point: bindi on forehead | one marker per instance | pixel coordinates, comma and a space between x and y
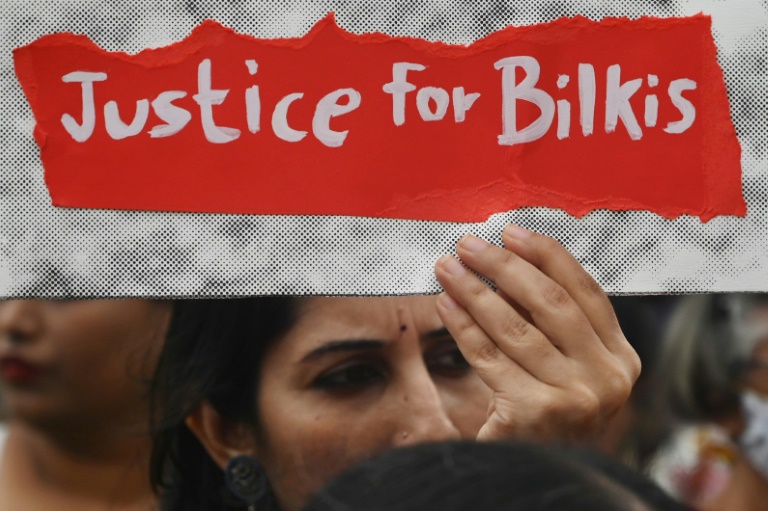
402, 321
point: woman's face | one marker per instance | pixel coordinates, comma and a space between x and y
356, 376
64, 363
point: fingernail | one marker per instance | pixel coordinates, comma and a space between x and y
448, 302
452, 265
473, 243
516, 232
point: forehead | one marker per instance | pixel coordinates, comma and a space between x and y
372, 318
370, 313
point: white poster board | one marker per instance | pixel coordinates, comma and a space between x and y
56, 252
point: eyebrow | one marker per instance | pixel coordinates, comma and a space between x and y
363, 344
344, 345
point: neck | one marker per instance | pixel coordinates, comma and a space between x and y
93, 465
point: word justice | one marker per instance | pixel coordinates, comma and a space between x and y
176, 118
432, 104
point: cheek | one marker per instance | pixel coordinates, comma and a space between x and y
304, 450
466, 403
112, 334
94, 365
109, 352
103, 375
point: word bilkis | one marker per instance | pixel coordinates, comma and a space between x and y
432, 104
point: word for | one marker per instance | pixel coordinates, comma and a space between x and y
432, 104
617, 101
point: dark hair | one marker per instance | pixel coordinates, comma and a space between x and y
213, 352
456, 476
640, 318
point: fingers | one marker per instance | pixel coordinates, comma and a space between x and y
545, 413
491, 331
554, 261
550, 306
495, 367
549, 329
523, 406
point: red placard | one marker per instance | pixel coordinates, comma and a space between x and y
574, 114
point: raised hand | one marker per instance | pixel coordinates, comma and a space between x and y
547, 342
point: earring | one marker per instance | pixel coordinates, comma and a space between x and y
246, 480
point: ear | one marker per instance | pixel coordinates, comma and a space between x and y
223, 439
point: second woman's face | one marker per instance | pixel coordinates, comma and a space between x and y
68, 363
356, 376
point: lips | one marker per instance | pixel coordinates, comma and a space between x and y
17, 370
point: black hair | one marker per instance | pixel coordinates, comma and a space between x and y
641, 319
490, 476
213, 352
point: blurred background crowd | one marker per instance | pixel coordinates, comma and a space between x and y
697, 421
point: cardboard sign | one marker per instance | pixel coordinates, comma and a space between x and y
574, 114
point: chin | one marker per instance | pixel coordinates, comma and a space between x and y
32, 410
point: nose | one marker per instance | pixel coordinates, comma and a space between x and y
19, 320
424, 417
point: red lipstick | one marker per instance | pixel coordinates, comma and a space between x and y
16, 370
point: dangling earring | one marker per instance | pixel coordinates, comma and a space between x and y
246, 480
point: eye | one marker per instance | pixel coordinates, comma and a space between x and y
447, 360
350, 377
